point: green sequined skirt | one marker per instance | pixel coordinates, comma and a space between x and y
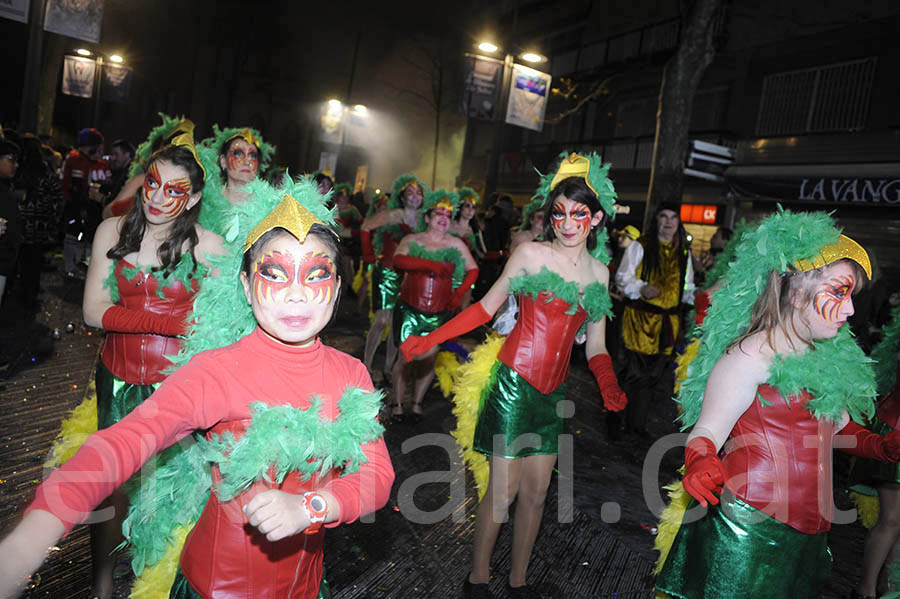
737, 551
408, 321
515, 419
385, 287
116, 398
182, 589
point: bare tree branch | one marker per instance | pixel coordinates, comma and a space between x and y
600, 88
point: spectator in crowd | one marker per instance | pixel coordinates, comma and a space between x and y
121, 153
83, 172
10, 222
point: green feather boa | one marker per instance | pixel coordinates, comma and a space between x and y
885, 354
279, 440
432, 198
594, 299
186, 271
145, 148
726, 257
775, 244
401, 182
451, 255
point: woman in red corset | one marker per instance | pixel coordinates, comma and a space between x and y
437, 270
140, 285
561, 286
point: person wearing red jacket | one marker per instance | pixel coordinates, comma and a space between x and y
560, 285
140, 285
289, 445
438, 270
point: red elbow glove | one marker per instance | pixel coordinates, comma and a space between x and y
368, 252
704, 472
471, 318
614, 399
123, 320
460, 292
406, 262
872, 445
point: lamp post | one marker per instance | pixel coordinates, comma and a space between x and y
490, 182
98, 79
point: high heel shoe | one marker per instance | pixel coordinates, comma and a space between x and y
397, 417
416, 416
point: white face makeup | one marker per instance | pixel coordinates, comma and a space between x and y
292, 288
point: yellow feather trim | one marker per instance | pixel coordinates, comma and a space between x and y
155, 582
683, 361
446, 368
80, 424
471, 380
868, 507
358, 278
670, 522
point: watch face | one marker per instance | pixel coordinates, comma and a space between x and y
317, 503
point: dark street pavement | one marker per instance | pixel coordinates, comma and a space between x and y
599, 544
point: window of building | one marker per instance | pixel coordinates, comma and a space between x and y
828, 98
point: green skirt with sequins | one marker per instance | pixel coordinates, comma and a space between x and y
736, 550
385, 287
408, 321
515, 419
116, 398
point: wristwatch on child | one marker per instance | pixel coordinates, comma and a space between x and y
316, 508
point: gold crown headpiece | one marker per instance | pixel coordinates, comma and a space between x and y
445, 202
844, 247
574, 165
289, 214
247, 135
186, 140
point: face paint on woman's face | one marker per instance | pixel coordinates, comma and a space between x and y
166, 192
242, 161
292, 288
832, 295
413, 196
570, 219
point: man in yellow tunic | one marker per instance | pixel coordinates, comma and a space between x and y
656, 277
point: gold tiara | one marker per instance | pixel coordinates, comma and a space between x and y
247, 135
844, 247
574, 165
289, 214
186, 140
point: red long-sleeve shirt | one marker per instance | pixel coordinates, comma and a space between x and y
213, 389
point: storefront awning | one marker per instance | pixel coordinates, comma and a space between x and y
863, 184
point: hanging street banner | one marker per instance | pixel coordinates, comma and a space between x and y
528, 93
481, 96
362, 175
78, 76
14, 10
80, 19
116, 83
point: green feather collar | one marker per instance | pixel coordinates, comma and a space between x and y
451, 255
280, 439
594, 299
186, 271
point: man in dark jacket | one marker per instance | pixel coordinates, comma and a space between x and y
10, 221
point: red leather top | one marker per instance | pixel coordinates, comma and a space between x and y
139, 358
226, 557
778, 459
540, 344
427, 291
889, 408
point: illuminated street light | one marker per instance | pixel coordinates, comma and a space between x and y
360, 110
83, 52
116, 59
334, 105
533, 57
488, 47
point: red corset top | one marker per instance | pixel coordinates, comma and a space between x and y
540, 344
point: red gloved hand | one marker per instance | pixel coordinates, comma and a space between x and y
471, 318
460, 292
872, 445
368, 252
614, 399
123, 320
704, 472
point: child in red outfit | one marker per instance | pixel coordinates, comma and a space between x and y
329, 467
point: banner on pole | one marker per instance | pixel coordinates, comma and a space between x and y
78, 76
14, 10
116, 83
362, 175
528, 91
481, 95
80, 19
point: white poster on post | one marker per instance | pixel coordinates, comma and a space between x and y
81, 20
528, 91
78, 76
14, 10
